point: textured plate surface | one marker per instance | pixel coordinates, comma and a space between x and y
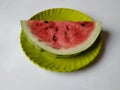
58, 64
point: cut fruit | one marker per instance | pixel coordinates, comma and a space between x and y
61, 37
41, 58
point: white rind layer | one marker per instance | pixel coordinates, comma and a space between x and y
83, 46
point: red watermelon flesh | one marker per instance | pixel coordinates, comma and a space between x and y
61, 34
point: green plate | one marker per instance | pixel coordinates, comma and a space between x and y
59, 64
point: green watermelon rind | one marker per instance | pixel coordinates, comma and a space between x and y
58, 64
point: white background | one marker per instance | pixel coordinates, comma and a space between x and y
18, 73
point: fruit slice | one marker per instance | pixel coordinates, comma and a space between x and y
62, 38
41, 58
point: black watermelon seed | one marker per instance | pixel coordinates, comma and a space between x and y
54, 38
82, 24
56, 29
67, 27
45, 21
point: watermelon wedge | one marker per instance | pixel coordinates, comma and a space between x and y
61, 37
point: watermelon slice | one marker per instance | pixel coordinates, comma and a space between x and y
61, 37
